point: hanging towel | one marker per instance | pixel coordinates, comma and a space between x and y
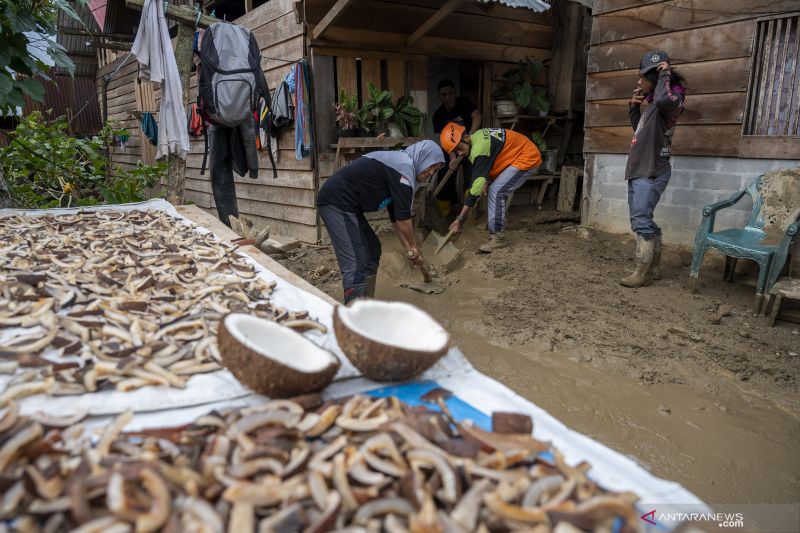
150, 127
298, 82
153, 49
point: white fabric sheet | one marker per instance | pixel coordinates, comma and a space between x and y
159, 407
153, 49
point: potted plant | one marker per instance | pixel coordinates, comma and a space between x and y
346, 114
520, 92
380, 109
548, 156
407, 118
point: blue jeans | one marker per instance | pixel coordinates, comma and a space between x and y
643, 197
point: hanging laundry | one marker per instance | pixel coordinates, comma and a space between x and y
298, 82
152, 47
196, 124
149, 127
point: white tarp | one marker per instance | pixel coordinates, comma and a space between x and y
153, 49
157, 406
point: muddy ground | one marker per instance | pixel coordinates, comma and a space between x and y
694, 387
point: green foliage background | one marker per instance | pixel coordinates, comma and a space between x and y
45, 167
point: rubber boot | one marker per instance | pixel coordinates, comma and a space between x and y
655, 270
359, 290
642, 275
371, 280
495, 242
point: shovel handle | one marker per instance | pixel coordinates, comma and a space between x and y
426, 273
445, 240
447, 177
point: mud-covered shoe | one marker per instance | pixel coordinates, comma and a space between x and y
642, 274
495, 242
655, 268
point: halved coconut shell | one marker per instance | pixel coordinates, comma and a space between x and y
271, 359
389, 341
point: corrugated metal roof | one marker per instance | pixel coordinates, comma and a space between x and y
71, 97
533, 5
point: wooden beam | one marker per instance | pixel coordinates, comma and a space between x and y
183, 14
112, 45
330, 17
431, 23
248, 6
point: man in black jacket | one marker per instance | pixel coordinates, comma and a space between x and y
649, 169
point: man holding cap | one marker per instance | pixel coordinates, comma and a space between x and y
649, 169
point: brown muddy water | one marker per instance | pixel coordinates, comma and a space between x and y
710, 403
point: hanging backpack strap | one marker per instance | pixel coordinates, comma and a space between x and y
205, 150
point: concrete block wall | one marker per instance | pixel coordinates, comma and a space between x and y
696, 182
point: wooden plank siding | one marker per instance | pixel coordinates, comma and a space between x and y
286, 203
710, 42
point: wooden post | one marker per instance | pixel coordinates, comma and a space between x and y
176, 176
5, 193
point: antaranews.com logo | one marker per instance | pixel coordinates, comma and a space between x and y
721, 519
764, 518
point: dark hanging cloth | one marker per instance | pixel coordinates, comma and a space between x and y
150, 127
230, 150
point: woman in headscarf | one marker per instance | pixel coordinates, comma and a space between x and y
378, 180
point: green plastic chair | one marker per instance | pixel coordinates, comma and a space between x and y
743, 243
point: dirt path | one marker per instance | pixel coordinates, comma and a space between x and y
709, 402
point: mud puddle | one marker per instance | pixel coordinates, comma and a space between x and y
725, 448
712, 405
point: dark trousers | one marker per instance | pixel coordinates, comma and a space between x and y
643, 197
357, 248
230, 150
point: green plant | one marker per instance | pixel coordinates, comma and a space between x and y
346, 110
538, 140
519, 84
45, 167
379, 107
407, 117
24, 24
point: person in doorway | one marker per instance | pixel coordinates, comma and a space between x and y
386, 179
502, 160
648, 169
460, 110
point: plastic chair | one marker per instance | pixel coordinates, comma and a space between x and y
743, 243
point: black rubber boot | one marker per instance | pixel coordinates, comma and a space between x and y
359, 290
371, 280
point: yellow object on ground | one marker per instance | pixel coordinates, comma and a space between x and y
443, 207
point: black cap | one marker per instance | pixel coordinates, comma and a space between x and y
651, 60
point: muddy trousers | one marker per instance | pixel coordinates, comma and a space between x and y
643, 197
357, 248
499, 193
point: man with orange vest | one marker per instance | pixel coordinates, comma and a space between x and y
502, 160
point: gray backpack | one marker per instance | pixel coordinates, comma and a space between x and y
231, 80
231, 83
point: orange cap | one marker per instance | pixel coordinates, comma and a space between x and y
451, 135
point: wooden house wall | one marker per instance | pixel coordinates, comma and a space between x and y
709, 41
121, 103
286, 204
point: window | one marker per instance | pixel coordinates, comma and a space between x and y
773, 101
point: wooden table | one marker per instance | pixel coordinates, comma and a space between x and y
351, 145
